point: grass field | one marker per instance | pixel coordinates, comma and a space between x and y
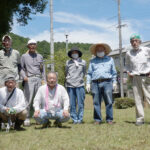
123, 135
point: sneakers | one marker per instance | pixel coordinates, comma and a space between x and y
139, 123
97, 123
27, 122
110, 122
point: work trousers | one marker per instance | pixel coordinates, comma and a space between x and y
141, 90
30, 89
21, 116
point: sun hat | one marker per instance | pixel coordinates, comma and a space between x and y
106, 46
6, 36
74, 49
32, 41
135, 36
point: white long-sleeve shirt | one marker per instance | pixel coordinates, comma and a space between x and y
57, 98
138, 61
17, 100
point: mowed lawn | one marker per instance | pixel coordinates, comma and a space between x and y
123, 135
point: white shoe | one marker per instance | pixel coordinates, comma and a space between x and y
3, 126
27, 122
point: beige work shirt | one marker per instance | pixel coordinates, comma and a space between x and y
138, 61
9, 64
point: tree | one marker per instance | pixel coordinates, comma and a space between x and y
22, 9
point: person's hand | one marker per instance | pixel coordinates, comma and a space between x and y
115, 87
88, 87
36, 113
43, 82
65, 113
25, 79
130, 74
7, 110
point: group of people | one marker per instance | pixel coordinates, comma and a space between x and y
52, 101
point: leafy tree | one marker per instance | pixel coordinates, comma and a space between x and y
21, 8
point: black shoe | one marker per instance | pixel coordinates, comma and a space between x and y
18, 124
57, 124
46, 125
19, 128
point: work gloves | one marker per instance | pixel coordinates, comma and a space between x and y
115, 87
88, 87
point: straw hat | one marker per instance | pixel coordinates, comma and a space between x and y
106, 46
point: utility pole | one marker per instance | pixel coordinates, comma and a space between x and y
67, 35
51, 36
120, 51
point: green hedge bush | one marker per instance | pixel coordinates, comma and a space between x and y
123, 103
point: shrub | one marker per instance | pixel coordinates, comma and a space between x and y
123, 103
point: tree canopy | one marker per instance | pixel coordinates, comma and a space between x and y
22, 9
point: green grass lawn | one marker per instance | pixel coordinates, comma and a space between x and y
123, 135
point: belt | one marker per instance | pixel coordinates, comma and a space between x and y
145, 75
35, 76
102, 80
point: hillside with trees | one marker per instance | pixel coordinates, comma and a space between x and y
20, 43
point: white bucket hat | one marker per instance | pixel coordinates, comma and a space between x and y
6, 36
32, 41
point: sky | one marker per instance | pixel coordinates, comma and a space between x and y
89, 21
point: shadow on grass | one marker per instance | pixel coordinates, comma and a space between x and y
52, 127
130, 122
133, 122
12, 130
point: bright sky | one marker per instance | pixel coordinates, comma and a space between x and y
90, 21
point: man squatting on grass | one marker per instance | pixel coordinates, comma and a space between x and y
51, 102
138, 69
12, 103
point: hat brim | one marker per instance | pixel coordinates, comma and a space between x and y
6, 36
106, 46
70, 52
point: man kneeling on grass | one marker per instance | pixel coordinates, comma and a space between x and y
51, 102
12, 104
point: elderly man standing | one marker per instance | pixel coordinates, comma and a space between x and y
12, 103
9, 60
102, 77
75, 73
138, 69
51, 102
32, 73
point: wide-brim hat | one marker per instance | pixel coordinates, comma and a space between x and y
106, 46
74, 49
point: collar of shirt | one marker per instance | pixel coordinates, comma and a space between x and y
137, 50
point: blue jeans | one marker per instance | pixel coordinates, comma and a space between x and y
44, 117
99, 91
77, 96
